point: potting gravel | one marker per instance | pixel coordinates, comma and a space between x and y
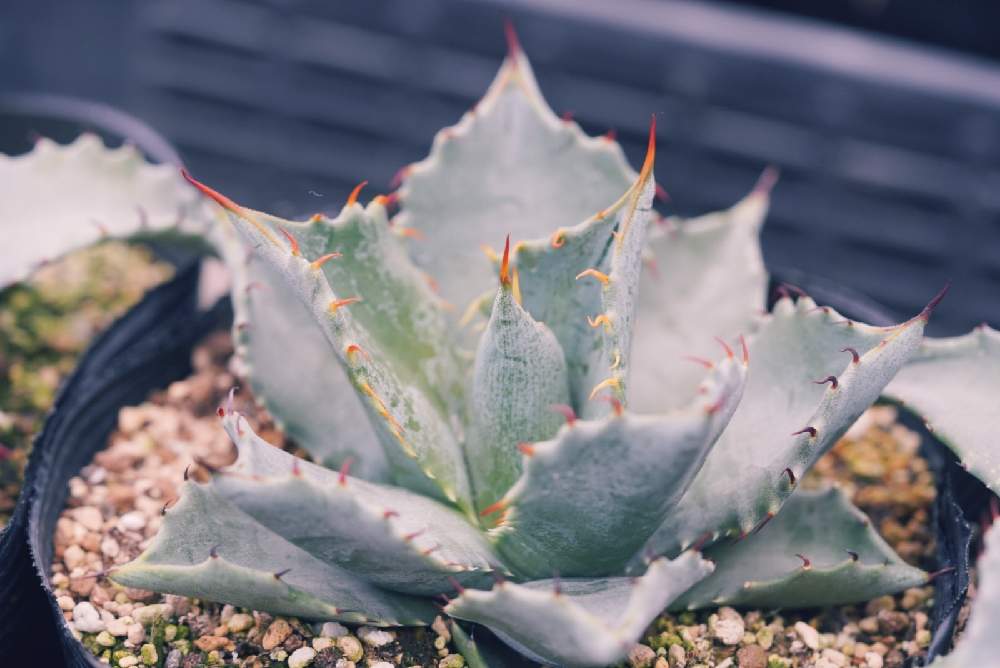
114, 510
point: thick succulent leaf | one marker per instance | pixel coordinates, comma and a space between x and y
59, 198
520, 372
704, 277
954, 384
978, 645
287, 360
509, 166
788, 417
412, 420
580, 622
589, 498
208, 549
583, 283
843, 560
387, 535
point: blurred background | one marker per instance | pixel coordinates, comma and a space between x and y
883, 115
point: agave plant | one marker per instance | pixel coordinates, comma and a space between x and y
549, 459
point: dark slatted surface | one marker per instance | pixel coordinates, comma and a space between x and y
888, 187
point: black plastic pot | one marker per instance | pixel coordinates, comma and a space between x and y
24, 118
151, 347
146, 349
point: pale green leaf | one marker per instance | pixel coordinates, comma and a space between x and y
954, 384
580, 622
759, 457
208, 549
590, 497
843, 560
704, 277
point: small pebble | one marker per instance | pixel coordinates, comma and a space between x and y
277, 633
873, 660
450, 661
106, 639
677, 656
333, 630
132, 521
89, 517
87, 619
240, 622
809, 635
751, 656
301, 657
375, 637
641, 656
350, 647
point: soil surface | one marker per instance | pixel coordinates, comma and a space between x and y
114, 509
45, 324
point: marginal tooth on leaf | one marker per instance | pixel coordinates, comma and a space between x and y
855, 357
323, 259
493, 508
602, 319
456, 585
292, 241
566, 411
229, 399
432, 284
567, 116
647, 164
296, 469
220, 411
411, 536
616, 360
746, 351
470, 312
611, 382
278, 575
834, 383
854, 555
381, 200
337, 303
763, 523
490, 253
701, 542
505, 263
400, 174
527, 449
556, 584
768, 178
316, 217
431, 550
219, 198
616, 404
791, 476
213, 552
353, 197
725, 347
353, 350
806, 564
516, 286
662, 194
599, 275
386, 514
558, 239
409, 233
611, 135
806, 430
384, 412
931, 577
925, 314
708, 364
345, 469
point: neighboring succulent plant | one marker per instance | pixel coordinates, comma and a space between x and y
472, 471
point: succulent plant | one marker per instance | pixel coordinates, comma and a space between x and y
566, 475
